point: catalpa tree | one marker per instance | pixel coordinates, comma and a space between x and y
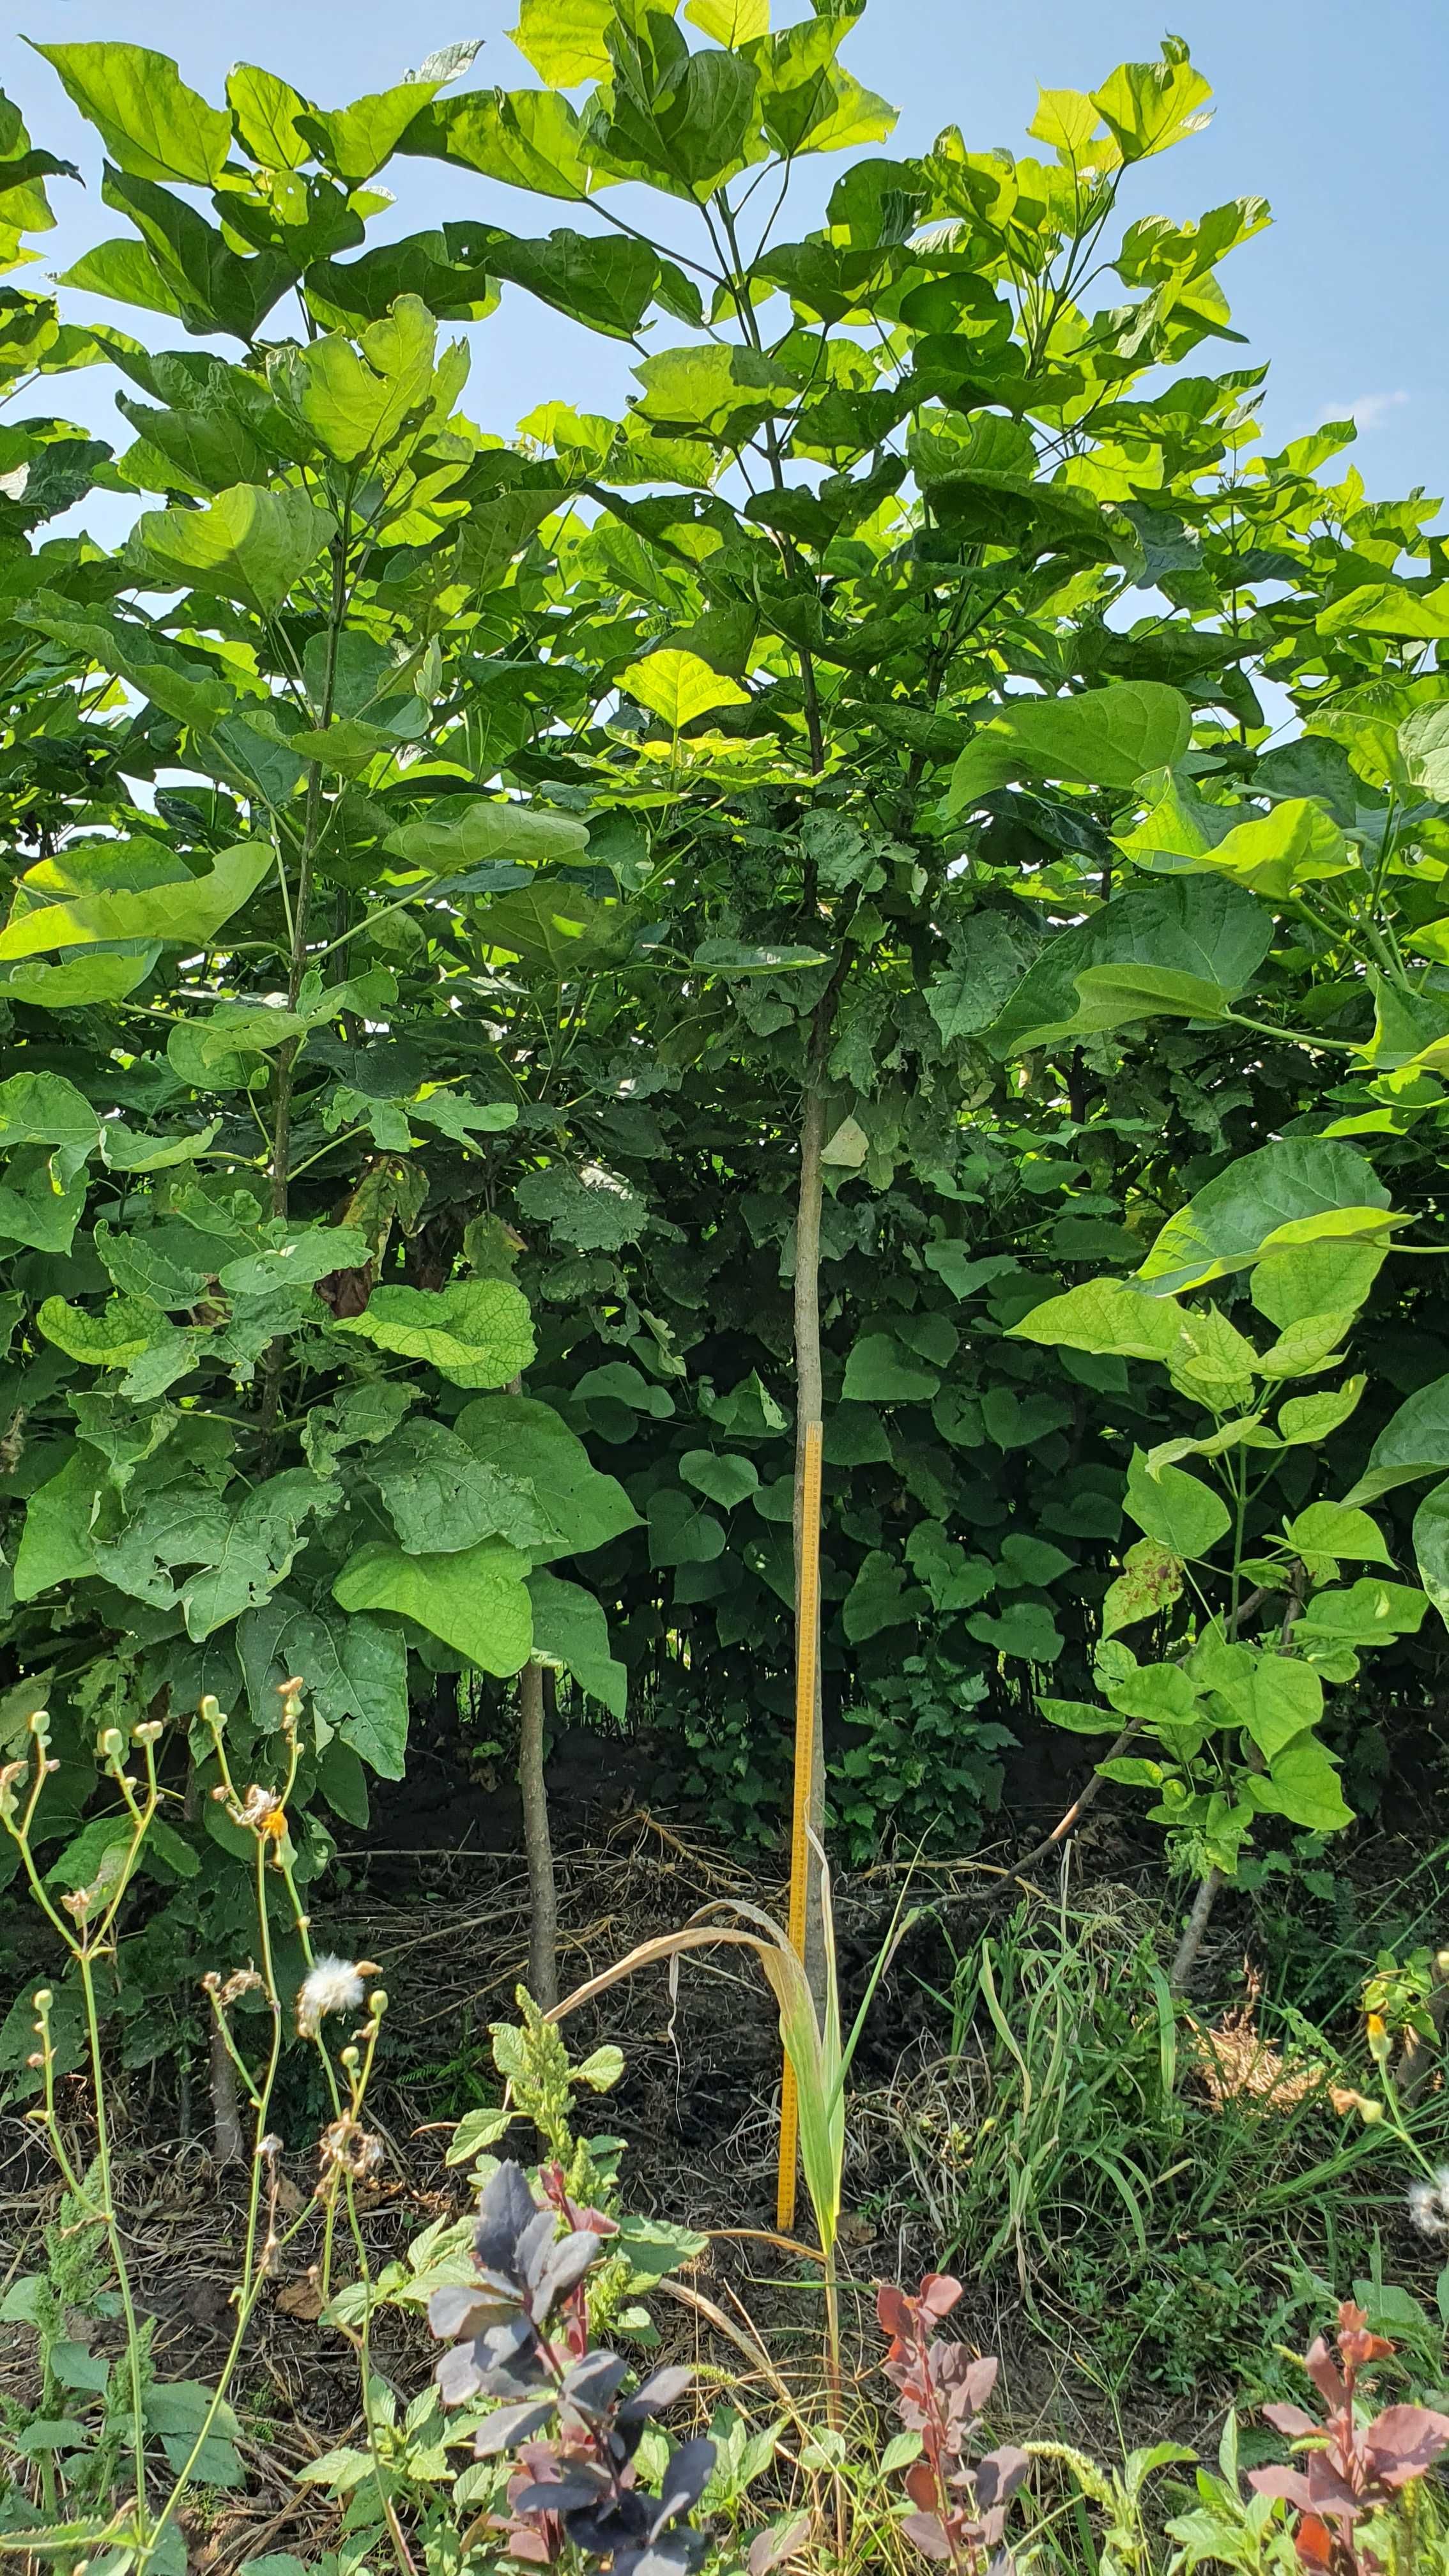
500, 926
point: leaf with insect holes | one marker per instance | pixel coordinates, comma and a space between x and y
476, 1332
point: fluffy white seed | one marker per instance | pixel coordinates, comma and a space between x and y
330, 1986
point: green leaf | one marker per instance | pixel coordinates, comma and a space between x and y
465, 1120
1389, 608
1079, 1716
1105, 1315
475, 2132
56, 1543
440, 1495
40, 1204
355, 1671
1183, 946
734, 957
1280, 1698
1179, 1511
475, 1601
1302, 1785
1146, 107
1298, 1190
1025, 1559
184, 916
45, 1109
879, 1371
1271, 854
1310, 1418
953, 1580
151, 124
1150, 1581
1334, 1530
251, 544
1333, 1277
1369, 1612
723, 1479
1160, 1695
1102, 738
691, 135
355, 402
606, 280
564, 39
257, 1550
1024, 1628
1413, 1443
476, 1332
620, 1382
526, 138
678, 687
518, 1436
193, 692
79, 984
111, 1338
593, 1209
571, 1633
983, 971
1431, 1547
679, 1532
296, 1256
354, 142
265, 111
452, 844
725, 22
880, 1598
1424, 743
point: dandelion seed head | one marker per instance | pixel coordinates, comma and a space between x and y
1429, 2203
330, 1986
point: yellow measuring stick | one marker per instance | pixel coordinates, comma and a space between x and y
807, 1649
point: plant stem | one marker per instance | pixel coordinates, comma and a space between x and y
1193, 1931
113, 2232
542, 1892
227, 2145
833, 2378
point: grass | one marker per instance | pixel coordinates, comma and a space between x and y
1063, 2143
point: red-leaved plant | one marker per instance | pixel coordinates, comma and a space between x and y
1355, 2463
961, 2508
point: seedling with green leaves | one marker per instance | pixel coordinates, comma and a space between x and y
1250, 1595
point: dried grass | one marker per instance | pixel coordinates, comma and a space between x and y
1235, 2062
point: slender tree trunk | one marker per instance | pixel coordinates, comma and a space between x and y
312, 820
809, 1400
542, 1893
1193, 1930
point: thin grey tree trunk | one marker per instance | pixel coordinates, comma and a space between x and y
537, 1841
1193, 1930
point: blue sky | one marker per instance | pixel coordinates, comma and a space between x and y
1332, 112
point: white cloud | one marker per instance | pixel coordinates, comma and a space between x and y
1367, 411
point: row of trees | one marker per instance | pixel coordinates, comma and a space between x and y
538, 964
